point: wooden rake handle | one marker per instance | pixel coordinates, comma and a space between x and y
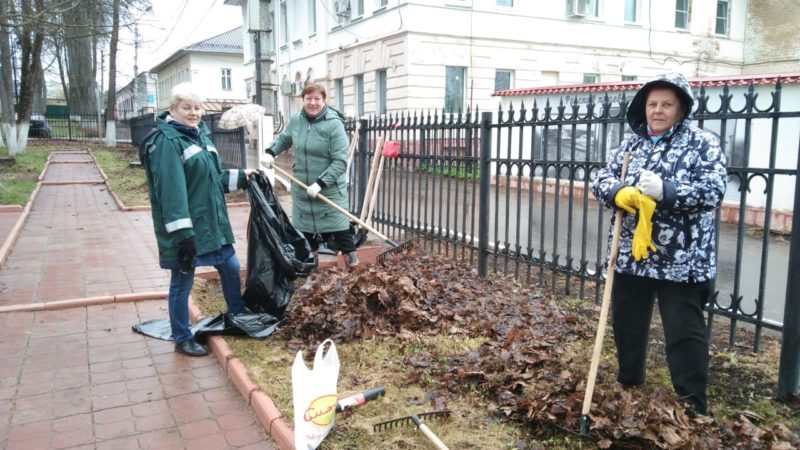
336, 207
428, 433
601, 325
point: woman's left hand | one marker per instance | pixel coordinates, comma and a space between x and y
249, 172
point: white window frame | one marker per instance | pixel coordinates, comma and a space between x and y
226, 79
339, 91
591, 78
687, 14
583, 8
358, 94
510, 78
631, 4
724, 20
449, 88
284, 23
312, 17
381, 80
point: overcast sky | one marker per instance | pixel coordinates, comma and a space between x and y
170, 26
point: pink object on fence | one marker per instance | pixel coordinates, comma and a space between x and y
391, 149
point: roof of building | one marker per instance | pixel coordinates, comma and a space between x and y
614, 86
229, 43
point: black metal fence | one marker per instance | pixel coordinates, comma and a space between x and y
230, 143
509, 191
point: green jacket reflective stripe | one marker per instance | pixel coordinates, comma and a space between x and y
186, 186
320, 148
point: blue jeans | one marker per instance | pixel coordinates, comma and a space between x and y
180, 285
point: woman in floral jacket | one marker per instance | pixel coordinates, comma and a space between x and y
675, 179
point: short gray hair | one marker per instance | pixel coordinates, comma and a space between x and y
184, 91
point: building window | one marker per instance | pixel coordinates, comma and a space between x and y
312, 16
583, 8
380, 92
631, 11
359, 100
505, 2
226, 79
589, 78
359, 8
382, 3
284, 24
454, 89
272, 41
629, 78
682, 14
339, 91
502, 80
723, 17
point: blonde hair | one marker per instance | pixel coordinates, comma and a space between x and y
184, 91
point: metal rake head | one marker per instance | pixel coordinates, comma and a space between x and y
388, 254
416, 419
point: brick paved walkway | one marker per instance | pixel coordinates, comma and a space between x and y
79, 378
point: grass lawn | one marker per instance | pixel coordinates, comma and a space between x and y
18, 178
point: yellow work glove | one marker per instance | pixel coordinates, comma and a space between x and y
642, 237
627, 198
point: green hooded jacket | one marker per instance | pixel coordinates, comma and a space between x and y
186, 186
320, 147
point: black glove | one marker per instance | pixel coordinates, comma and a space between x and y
186, 253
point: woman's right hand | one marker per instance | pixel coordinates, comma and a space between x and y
267, 161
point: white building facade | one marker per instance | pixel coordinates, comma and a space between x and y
383, 56
215, 64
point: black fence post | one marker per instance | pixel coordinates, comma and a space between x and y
789, 367
483, 193
363, 148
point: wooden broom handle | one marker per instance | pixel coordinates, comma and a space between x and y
601, 325
335, 206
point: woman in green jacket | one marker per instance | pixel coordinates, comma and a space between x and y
320, 145
186, 186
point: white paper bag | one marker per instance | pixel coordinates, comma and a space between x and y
314, 396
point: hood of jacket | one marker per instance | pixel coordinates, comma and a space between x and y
637, 117
330, 113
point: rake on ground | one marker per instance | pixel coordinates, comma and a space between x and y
417, 420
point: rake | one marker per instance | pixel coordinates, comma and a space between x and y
417, 420
393, 244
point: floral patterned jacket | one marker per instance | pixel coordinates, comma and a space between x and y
692, 167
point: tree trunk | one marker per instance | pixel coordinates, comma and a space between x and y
59, 58
9, 122
78, 42
111, 103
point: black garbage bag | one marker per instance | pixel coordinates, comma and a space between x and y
257, 326
277, 253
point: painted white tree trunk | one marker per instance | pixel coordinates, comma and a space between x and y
14, 143
22, 136
111, 134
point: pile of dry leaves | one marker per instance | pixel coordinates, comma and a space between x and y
532, 367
